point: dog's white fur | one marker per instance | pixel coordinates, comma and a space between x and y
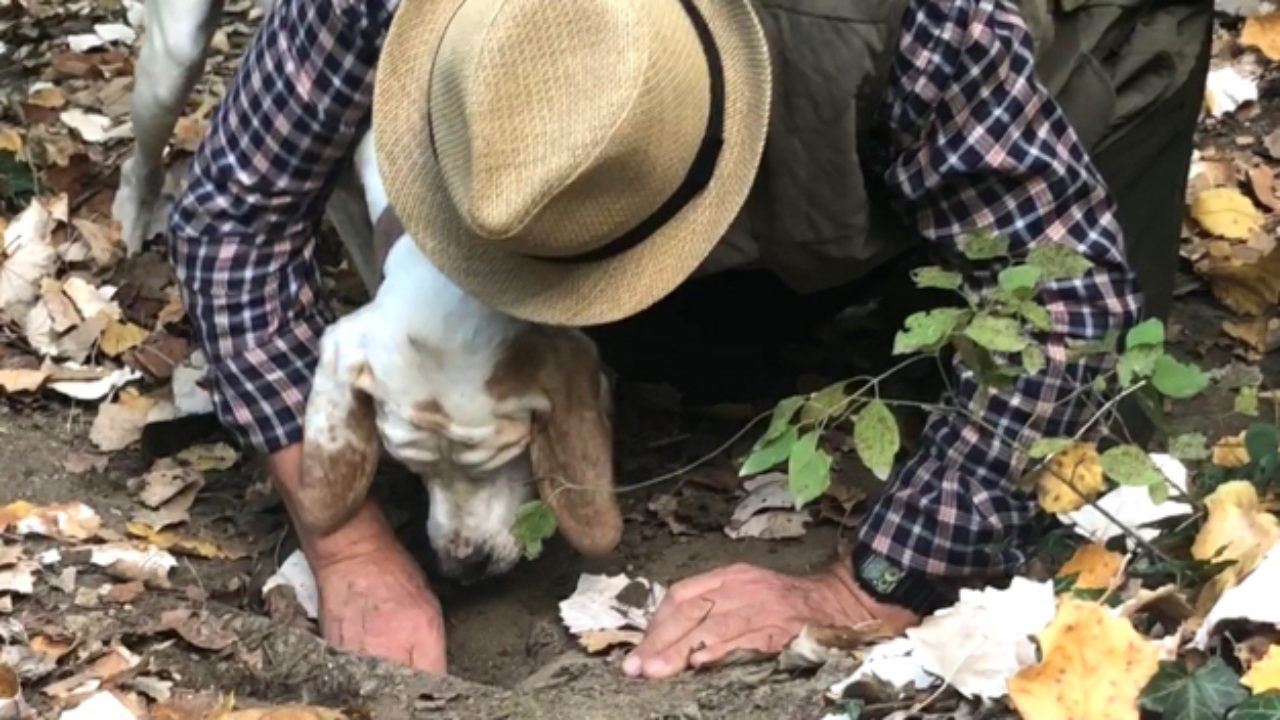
482, 406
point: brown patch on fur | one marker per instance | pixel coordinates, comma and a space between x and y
429, 415
336, 477
571, 448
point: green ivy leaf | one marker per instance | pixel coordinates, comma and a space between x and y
1147, 332
1044, 447
826, 401
769, 453
1261, 441
927, 331
997, 334
984, 245
808, 470
1058, 261
783, 412
875, 437
1033, 359
1129, 465
1263, 706
1206, 694
1036, 315
1177, 380
1189, 447
1246, 402
932, 276
1137, 362
1019, 280
534, 523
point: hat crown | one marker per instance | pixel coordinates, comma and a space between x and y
559, 125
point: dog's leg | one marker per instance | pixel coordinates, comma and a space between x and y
173, 53
349, 213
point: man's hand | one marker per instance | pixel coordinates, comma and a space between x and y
374, 598
743, 607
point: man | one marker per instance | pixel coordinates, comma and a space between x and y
935, 103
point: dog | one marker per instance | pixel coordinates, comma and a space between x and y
174, 47
483, 407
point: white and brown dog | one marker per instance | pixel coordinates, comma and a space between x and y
484, 407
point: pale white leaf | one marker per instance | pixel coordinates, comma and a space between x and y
95, 390
894, 662
1254, 599
102, 705
92, 127
600, 602
984, 639
295, 573
1131, 505
116, 33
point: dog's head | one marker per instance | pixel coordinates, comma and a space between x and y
486, 425
550, 436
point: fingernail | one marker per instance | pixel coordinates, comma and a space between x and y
631, 666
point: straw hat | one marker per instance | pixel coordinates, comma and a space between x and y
570, 161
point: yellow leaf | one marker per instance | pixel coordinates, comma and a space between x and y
1229, 452
119, 337
181, 544
10, 141
1265, 673
1079, 464
49, 97
1093, 666
1095, 567
1263, 32
1237, 528
1227, 213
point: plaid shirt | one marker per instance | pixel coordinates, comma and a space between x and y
977, 143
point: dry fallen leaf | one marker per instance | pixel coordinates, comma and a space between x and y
286, 712
19, 579
115, 661
130, 561
105, 245
594, 641
1262, 32
1227, 213
16, 380
174, 511
295, 575
92, 127
1246, 287
89, 300
199, 628
120, 337
10, 141
1081, 465
125, 592
1230, 452
1237, 528
1262, 180
164, 480
65, 521
1094, 665
46, 95
119, 424
78, 462
182, 544
50, 647
28, 259
1094, 566
1265, 674
210, 457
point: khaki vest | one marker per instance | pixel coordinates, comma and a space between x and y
809, 218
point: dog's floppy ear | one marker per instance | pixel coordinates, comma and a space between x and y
340, 447
571, 448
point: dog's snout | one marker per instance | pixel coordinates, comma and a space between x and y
472, 566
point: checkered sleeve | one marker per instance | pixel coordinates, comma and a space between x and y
977, 143
241, 234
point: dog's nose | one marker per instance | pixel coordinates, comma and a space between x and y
471, 566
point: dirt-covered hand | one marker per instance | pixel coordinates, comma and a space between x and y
743, 607
374, 600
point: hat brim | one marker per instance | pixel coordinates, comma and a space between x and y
548, 292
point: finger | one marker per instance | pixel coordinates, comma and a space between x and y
715, 630
770, 641
666, 628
